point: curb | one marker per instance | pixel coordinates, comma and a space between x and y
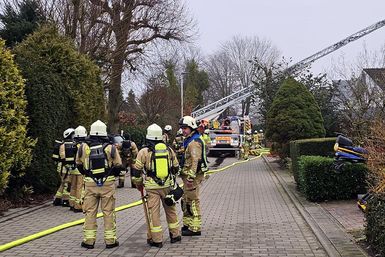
6, 217
330, 248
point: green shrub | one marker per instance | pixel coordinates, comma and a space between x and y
15, 146
294, 114
320, 179
375, 224
313, 146
63, 90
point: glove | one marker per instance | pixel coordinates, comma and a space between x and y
81, 169
175, 171
116, 170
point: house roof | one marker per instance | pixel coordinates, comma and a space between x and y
377, 75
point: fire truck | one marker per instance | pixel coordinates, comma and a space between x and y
227, 135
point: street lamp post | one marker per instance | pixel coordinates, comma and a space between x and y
181, 93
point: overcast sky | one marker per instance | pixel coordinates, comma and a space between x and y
298, 28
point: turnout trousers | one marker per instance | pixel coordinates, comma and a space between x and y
191, 208
105, 197
76, 191
155, 199
65, 183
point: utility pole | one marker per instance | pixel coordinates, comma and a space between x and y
181, 93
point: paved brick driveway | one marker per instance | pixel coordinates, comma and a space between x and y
245, 213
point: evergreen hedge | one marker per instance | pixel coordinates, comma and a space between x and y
15, 146
294, 114
320, 179
63, 90
312, 146
375, 223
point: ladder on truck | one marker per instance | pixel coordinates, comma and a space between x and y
238, 96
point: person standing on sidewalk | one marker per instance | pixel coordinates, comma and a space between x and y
67, 153
158, 163
167, 134
100, 162
128, 152
76, 176
193, 166
178, 144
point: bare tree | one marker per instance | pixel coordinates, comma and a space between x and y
359, 99
231, 65
359, 103
222, 79
118, 33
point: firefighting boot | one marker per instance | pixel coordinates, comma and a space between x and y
87, 246
109, 246
155, 244
57, 202
175, 239
188, 232
65, 203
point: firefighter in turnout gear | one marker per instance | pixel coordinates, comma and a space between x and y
128, 152
66, 152
155, 169
194, 165
247, 144
76, 177
167, 134
178, 144
100, 162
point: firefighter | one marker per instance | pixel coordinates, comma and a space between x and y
167, 134
207, 140
202, 127
247, 144
157, 163
178, 144
193, 167
128, 152
76, 177
67, 157
100, 162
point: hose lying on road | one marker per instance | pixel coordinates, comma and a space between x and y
58, 228
120, 208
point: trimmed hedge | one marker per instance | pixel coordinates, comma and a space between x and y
312, 146
320, 179
375, 224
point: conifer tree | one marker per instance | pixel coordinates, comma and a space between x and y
294, 114
15, 146
20, 20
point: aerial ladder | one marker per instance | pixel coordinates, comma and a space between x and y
242, 94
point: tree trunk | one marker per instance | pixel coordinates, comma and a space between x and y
115, 92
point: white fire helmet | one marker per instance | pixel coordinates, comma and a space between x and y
188, 121
80, 131
154, 132
68, 132
168, 128
98, 128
